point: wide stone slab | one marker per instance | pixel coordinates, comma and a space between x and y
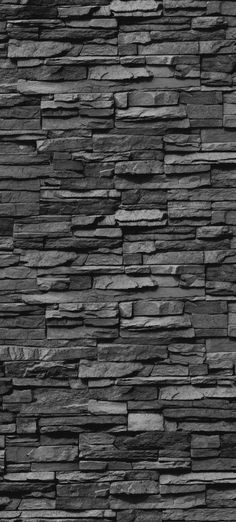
145, 422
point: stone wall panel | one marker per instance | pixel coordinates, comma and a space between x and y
117, 260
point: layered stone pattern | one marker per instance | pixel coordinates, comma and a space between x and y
118, 260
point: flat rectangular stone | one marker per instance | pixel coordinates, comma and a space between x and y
145, 422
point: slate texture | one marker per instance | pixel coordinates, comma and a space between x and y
118, 260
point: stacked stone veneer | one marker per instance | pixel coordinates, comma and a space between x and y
118, 260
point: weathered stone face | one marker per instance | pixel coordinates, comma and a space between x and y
118, 260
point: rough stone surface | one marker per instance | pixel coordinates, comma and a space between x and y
118, 260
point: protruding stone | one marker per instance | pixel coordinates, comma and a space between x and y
145, 422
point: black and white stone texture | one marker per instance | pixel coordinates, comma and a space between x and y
118, 260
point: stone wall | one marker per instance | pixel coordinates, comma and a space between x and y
118, 260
